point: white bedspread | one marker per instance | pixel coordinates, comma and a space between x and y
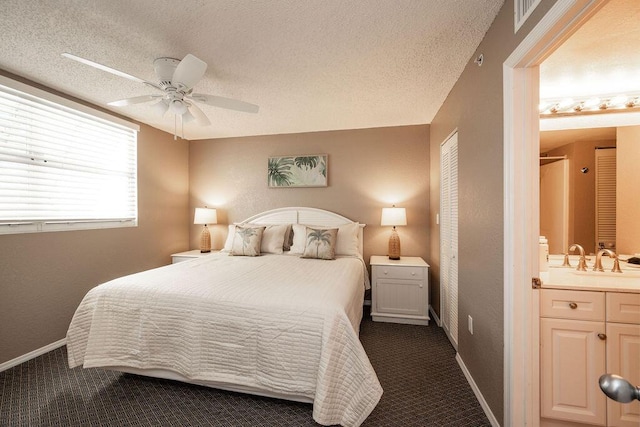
276, 323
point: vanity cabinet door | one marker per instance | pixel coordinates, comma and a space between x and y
623, 358
572, 358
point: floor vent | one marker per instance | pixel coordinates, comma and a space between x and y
523, 8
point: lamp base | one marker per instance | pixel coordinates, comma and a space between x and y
205, 240
394, 245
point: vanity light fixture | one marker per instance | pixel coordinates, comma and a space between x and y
394, 217
589, 105
205, 216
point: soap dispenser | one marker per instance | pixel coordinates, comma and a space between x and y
544, 254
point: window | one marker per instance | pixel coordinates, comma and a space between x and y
63, 166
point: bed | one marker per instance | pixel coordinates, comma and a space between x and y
283, 324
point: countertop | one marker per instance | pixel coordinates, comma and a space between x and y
558, 277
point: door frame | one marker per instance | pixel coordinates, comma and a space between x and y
521, 204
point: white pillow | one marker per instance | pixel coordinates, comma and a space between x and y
299, 239
229, 242
273, 238
347, 242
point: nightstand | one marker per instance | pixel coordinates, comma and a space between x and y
186, 256
400, 290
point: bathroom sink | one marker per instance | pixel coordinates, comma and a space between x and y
569, 277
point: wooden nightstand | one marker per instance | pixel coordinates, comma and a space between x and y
185, 256
400, 290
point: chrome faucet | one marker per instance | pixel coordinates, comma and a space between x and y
582, 262
609, 252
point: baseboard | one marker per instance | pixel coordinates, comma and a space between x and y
492, 419
434, 316
32, 355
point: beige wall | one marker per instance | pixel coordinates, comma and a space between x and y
368, 169
475, 107
45, 275
627, 194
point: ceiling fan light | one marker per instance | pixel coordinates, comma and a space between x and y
178, 107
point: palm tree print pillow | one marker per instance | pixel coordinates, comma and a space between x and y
246, 241
320, 243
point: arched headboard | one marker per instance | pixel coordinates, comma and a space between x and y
304, 215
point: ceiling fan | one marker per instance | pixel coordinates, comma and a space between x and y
176, 81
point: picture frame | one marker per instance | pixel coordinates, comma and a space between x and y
308, 170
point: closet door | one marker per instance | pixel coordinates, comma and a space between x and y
606, 198
449, 238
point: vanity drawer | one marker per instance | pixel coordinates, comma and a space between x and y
579, 305
623, 308
399, 272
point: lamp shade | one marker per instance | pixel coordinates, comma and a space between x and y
393, 216
205, 216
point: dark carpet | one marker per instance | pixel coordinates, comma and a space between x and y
423, 386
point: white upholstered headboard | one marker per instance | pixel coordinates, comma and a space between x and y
302, 215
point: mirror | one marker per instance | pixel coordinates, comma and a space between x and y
585, 80
569, 188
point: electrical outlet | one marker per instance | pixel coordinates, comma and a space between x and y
470, 322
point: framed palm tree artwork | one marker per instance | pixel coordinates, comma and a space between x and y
298, 171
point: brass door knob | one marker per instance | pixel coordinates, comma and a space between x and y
573, 305
602, 336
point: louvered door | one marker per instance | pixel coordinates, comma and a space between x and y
606, 198
449, 237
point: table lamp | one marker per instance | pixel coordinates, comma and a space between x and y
205, 216
394, 217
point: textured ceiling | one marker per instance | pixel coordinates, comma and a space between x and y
310, 65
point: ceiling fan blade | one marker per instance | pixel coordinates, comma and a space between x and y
103, 67
189, 72
188, 117
222, 102
199, 115
134, 100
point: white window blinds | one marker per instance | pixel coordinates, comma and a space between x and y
63, 165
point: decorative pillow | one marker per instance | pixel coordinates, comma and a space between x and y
247, 241
273, 238
321, 243
346, 244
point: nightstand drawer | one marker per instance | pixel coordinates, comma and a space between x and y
394, 272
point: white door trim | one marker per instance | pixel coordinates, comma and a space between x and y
521, 204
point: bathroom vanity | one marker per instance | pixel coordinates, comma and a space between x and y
589, 326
